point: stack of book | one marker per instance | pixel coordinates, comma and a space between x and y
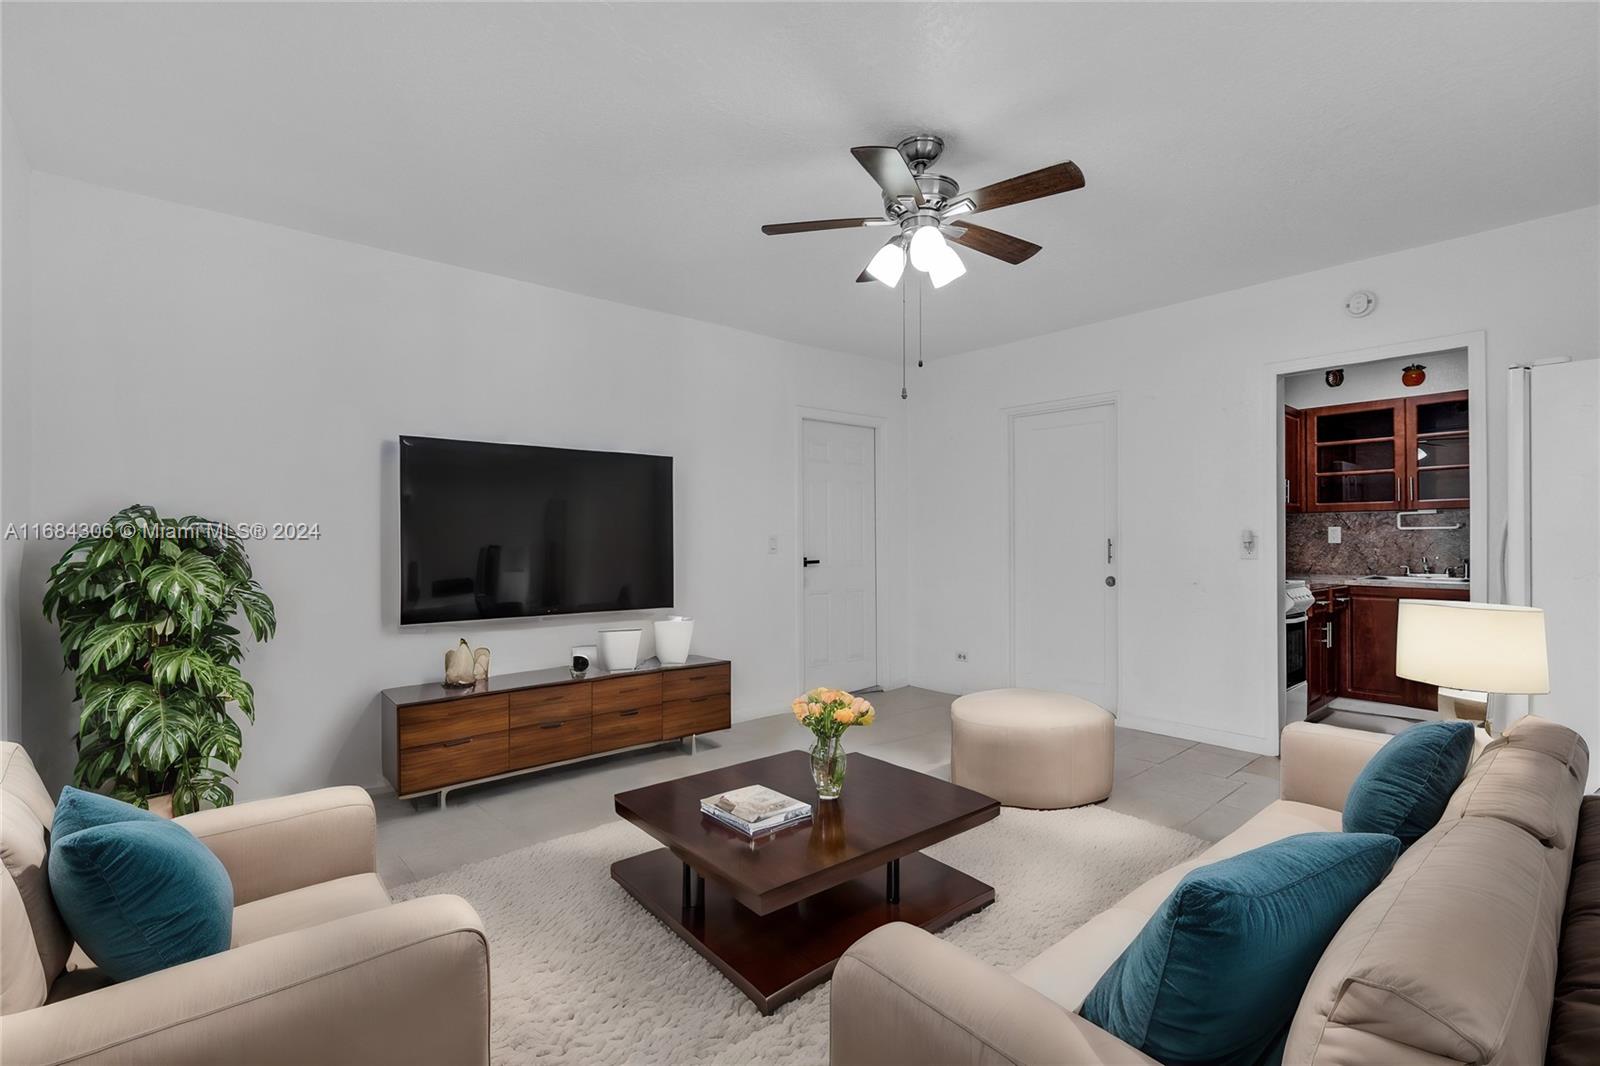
755, 809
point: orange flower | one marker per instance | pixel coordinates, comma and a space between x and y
844, 716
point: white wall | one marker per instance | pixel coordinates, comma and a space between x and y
1377, 380
1198, 457
14, 417
207, 364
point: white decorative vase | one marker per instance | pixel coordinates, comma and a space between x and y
619, 648
672, 640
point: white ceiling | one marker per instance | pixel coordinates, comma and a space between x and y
632, 151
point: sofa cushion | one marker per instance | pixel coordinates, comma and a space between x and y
1524, 787
1533, 733
140, 896
1575, 1021
302, 908
1069, 968
35, 938
1404, 788
1215, 975
1452, 955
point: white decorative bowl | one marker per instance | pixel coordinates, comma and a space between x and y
619, 648
672, 640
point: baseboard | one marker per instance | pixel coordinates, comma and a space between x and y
1186, 731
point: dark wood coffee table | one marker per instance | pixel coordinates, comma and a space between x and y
774, 914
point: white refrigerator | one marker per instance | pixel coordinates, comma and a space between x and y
1551, 548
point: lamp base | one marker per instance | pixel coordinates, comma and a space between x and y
1467, 706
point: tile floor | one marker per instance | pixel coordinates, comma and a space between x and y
1201, 789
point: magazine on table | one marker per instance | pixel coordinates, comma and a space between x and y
755, 809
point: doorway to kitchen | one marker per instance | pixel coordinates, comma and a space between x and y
1063, 548
1381, 496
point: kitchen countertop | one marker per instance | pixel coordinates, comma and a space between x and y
1323, 581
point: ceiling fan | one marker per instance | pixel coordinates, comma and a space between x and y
930, 211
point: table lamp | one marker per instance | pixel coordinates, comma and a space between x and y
1476, 647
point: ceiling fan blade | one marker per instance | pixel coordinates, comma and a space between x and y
890, 170
1063, 177
1002, 246
775, 228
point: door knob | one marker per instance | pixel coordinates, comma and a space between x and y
1111, 582
809, 562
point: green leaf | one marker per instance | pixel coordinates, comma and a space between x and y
160, 732
183, 577
110, 645
258, 611
173, 664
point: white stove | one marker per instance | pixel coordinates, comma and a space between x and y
1297, 600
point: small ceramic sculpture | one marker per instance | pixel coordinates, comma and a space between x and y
463, 666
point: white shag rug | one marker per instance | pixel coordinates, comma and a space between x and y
580, 973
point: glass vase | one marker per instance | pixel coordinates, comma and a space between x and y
827, 766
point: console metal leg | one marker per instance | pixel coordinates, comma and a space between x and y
694, 889
894, 881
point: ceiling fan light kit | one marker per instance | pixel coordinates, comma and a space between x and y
889, 263
923, 206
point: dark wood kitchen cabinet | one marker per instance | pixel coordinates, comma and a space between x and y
1325, 642
1294, 460
1437, 470
1399, 454
1371, 623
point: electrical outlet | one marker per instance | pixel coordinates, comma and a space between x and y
1248, 544
1335, 534
772, 545
961, 656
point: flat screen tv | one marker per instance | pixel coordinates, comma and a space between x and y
514, 531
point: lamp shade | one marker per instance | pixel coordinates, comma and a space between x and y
1483, 647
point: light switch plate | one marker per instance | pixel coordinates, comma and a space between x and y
1335, 534
1248, 544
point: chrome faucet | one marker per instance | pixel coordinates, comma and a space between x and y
1427, 567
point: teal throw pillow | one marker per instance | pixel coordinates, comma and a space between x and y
77, 810
1404, 788
139, 893
1216, 974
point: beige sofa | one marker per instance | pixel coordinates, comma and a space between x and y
1452, 959
323, 968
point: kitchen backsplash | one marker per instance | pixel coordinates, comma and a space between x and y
1371, 544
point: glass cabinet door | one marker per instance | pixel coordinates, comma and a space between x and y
1355, 456
1439, 472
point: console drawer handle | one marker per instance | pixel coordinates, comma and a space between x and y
699, 699
457, 742
627, 714
552, 725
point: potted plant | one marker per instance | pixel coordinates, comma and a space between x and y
828, 712
146, 607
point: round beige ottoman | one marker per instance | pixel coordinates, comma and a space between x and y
1029, 748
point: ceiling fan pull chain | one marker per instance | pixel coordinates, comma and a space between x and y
919, 320
903, 343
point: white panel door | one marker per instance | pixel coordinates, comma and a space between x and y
1063, 525
839, 556
1564, 483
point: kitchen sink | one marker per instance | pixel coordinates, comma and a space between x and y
1442, 579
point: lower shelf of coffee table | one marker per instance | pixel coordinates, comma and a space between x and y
776, 957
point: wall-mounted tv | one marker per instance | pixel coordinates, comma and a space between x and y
514, 531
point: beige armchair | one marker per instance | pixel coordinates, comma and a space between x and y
323, 967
